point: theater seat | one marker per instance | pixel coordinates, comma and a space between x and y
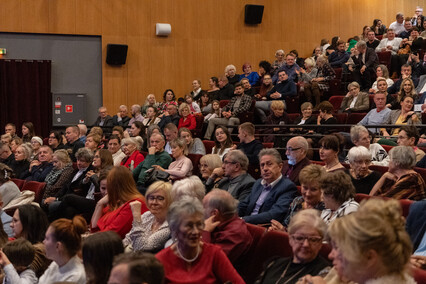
197, 132
422, 172
257, 233
381, 169
19, 183
405, 205
292, 104
336, 101
223, 103
195, 159
292, 117
268, 145
208, 145
419, 275
37, 188
387, 147
354, 118
385, 58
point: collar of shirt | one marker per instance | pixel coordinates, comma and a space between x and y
272, 184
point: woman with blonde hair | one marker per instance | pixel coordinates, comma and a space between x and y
93, 141
208, 164
22, 161
381, 72
186, 118
407, 89
182, 166
149, 102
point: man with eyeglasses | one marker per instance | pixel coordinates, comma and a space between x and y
224, 228
271, 195
236, 180
297, 148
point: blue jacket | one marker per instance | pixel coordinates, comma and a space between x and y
337, 58
285, 88
275, 206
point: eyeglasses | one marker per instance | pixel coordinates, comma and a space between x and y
228, 162
293, 149
301, 239
158, 198
52, 137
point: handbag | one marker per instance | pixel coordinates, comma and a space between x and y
153, 175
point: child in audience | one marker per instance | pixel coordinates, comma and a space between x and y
15, 258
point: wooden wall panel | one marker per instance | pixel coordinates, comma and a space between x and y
206, 35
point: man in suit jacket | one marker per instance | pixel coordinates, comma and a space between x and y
366, 61
103, 119
271, 195
121, 118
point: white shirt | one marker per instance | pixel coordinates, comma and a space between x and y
386, 42
397, 27
72, 271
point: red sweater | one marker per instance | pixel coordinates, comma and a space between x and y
189, 123
135, 156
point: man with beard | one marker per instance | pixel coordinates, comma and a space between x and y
297, 147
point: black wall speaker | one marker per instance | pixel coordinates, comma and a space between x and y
116, 54
253, 14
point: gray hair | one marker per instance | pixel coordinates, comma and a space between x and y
357, 153
137, 141
271, 152
356, 131
309, 62
222, 201
230, 66
187, 205
279, 51
84, 154
309, 218
239, 157
137, 108
403, 157
122, 107
361, 44
191, 186
353, 84
28, 150
301, 142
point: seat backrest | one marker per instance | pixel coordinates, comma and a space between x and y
208, 145
387, 147
19, 183
336, 101
268, 145
354, 118
37, 188
223, 103
292, 117
195, 159
405, 205
419, 275
422, 172
292, 104
385, 58
341, 117
380, 169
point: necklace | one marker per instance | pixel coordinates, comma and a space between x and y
285, 271
184, 258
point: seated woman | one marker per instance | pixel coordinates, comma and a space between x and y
378, 27
182, 166
59, 176
36, 143
186, 118
401, 181
305, 75
55, 140
230, 73
204, 102
112, 212
136, 129
169, 98
306, 118
28, 131
193, 106
409, 136
355, 101
278, 117
190, 260
407, 89
325, 117
8, 189
209, 165
131, 147
280, 60
307, 231
381, 72
150, 231
213, 91
149, 102
329, 147
338, 195
216, 111
22, 161
16, 141
309, 178
363, 178
92, 142
63, 242
151, 116
223, 141
247, 73
114, 147
191, 186
194, 145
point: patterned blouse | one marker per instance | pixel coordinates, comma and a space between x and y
141, 237
348, 207
296, 206
327, 72
409, 186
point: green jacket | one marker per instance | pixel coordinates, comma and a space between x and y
162, 159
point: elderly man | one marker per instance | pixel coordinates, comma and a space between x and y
156, 156
271, 195
226, 90
224, 228
136, 115
6, 155
11, 129
289, 67
72, 134
171, 133
41, 168
248, 144
239, 104
83, 132
417, 12
297, 148
377, 115
339, 57
104, 119
236, 179
169, 116
121, 118
365, 61
361, 137
398, 25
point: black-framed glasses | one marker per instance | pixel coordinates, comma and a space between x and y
301, 239
153, 197
293, 149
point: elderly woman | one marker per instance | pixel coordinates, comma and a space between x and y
186, 118
361, 137
409, 136
363, 178
21, 164
309, 178
222, 140
114, 147
189, 260
248, 73
55, 140
149, 102
130, 147
355, 101
112, 212
329, 147
402, 116
306, 118
93, 141
307, 231
278, 117
208, 165
59, 176
36, 143
231, 74
279, 61
401, 181
308, 73
191, 186
151, 116
381, 72
194, 145
6, 138
338, 195
320, 82
182, 166
150, 231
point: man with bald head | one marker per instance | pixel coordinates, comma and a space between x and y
297, 148
226, 90
224, 228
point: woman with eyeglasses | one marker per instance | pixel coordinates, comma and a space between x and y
306, 231
150, 231
55, 140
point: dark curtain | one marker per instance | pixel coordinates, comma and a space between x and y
25, 94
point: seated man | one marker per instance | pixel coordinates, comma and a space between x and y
248, 90
156, 156
271, 195
121, 118
248, 144
409, 136
224, 228
398, 25
136, 115
169, 116
372, 42
390, 43
236, 180
239, 104
11, 129
83, 131
104, 119
297, 148
72, 134
339, 57
171, 133
226, 90
408, 27
406, 72
365, 62
289, 67
41, 168
6, 156
377, 115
